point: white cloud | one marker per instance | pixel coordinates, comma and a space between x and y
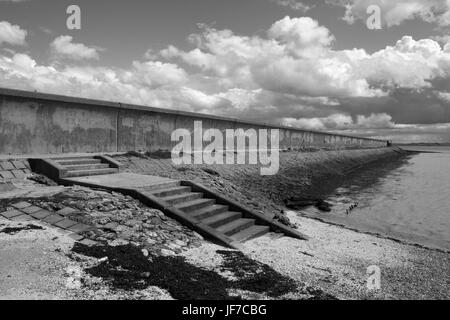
12, 34
295, 47
156, 74
340, 121
375, 121
444, 96
302, 36
334, 121
46, 30
443, 39
63, 46
294, 5
241, 99
150, 83
408, 64
297, 58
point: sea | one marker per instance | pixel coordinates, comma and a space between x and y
406, 199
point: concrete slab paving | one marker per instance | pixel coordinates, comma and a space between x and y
121, 180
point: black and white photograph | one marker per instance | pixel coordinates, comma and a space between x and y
224, 158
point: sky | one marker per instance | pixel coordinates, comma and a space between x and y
309, 64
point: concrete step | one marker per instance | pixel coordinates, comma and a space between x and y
217, 220
222, 218
275, 235
96, 172
181, 198
235, 226
70, 162
87, 166
72, 158
250, 233
160, 186
171, 191
195, 204
208, 211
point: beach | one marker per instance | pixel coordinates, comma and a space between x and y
332, 264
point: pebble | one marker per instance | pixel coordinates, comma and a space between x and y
180, 243
166, 252
118, 242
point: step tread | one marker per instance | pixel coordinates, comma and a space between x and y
160, 186
170, 191
235, 226
73, 158
91, 172
87, 166
208, 211
78, 162
221, 218
203, 201
250, 233
181, 196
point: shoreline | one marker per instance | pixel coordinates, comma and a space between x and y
300, 173
376, 234
338, 217
242, 183
331, 264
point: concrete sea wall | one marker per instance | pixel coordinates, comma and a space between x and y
48, 124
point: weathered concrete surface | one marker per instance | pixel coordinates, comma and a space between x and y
14, 169
121, 180
49, 124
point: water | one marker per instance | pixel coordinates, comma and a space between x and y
408, 199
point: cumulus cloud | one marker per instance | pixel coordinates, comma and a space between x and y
291, 75
301, 36
63, 46
445, 96
151, 83
340, 121
408, 64
293, 4
297, 58
293, 48
156, 74
394, 13
12, 34
375, 121
334, 121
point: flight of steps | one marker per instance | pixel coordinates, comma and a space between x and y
230, 223
84, 166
